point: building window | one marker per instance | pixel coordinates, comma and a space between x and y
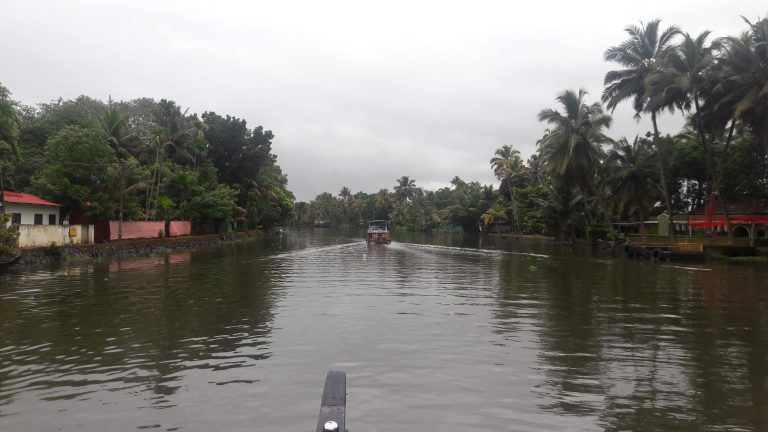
16, 218
38, 218
51, 219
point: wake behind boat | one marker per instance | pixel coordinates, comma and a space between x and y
378, 232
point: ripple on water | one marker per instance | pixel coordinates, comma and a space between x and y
450, 338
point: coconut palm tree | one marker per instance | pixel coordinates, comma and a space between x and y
737, 95
535, 168
382, 203
175, 138
114, 123
683, 82
632, 177
345, 194
741, 78
504, 154
493, 214
641, 55
572, 147
509, 168
405, 188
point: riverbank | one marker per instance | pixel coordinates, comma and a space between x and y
137, 247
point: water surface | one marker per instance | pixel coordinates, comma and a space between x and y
436, 333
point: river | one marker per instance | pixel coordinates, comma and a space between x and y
435, 332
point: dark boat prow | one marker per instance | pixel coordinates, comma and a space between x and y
9, 262
333, 408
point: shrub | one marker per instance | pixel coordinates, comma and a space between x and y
9, 237
53, 250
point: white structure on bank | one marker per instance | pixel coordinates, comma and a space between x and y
39, 222
28, 209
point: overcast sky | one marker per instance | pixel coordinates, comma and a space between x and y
357, 93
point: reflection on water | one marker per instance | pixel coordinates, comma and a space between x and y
437, 333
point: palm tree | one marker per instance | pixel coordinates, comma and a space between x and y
632, 177
508, 167
503, 155
382, 203
535, 168
493, 214
572, 147
741, 79
683, 82
737, 91
405, 188
642, 55
174, 138
458, 183
345, 193
114, 123
562, 202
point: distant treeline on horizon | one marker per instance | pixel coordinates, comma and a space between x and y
580, 180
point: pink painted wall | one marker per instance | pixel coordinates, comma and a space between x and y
180, 228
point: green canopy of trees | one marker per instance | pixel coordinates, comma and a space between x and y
144, 160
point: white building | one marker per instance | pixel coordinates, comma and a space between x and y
39, 222
28, 209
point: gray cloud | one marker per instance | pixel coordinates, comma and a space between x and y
357, 93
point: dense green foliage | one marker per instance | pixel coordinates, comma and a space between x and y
580, 180
9, 236
144, 160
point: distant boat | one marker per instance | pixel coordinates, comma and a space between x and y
278, 230
378, 232
319, 223
9, 262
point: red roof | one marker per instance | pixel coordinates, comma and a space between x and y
24, 198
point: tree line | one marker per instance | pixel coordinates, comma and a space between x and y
144, 159
580, 179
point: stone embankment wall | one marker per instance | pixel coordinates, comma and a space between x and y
33, 256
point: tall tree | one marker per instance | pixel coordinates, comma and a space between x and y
641, 55
509, 168
9, 138
79, 172
405, 188
535, 167
741, 79
9, 125
173, 140
114, 123
683, 82
572, 148
631, 177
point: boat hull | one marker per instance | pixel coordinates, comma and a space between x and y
379, 237
9, 262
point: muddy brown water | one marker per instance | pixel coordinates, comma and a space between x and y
435, 332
